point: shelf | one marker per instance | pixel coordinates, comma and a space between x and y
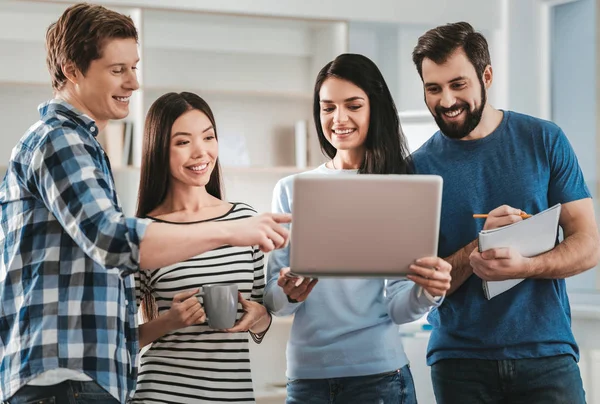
264, 170
213, 39
226, 72
289, 95
585, 312
239, 170
211, 32
266, 94
420, 115
18, 83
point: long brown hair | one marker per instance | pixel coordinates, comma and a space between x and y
386, 146
155, 175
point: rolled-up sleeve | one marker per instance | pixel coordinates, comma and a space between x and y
68, 175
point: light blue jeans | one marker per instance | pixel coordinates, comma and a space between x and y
395, 387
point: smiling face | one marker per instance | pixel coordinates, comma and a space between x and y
454, 94
345, 114
193, 150
103, 91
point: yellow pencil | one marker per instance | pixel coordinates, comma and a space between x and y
484, 216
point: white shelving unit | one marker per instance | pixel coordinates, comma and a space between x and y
256, 73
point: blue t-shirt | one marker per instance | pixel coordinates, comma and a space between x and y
526, 163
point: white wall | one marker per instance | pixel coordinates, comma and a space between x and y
18, 112
525, 62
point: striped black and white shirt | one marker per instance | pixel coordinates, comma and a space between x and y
197, 364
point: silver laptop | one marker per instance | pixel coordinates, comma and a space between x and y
363, 225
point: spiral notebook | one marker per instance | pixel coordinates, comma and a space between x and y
530, 237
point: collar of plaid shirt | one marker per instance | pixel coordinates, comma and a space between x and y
67, 297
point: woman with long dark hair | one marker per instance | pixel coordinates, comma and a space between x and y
186, 361
345, 346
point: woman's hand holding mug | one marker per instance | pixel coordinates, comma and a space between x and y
254, 313
185, 311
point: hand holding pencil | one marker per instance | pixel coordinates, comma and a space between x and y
502, 216
485, 216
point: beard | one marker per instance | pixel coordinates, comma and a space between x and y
456, 130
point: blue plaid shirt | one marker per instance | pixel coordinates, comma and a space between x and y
67, 297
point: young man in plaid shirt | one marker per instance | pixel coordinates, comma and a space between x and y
67, 298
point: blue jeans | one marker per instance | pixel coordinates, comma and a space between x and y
68, 392
395, 387
549, 380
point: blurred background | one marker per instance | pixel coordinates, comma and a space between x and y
256, 62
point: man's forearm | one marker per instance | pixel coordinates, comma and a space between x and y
461, 266
166, 244
576, 254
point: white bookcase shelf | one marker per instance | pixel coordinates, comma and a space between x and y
256, 72
229, 170
44, 85
237, 93
282, 170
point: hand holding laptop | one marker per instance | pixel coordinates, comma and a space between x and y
296, 288
432, 274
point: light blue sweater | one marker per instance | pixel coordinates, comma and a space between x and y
346, 327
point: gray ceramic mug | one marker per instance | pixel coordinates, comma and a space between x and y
220, 302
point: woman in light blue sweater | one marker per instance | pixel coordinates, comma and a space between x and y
345, 345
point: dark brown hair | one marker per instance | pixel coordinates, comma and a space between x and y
79, 36
439, 43
155, 174
386, 146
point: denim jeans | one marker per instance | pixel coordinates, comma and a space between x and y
549, 380
68, 392
395, 387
